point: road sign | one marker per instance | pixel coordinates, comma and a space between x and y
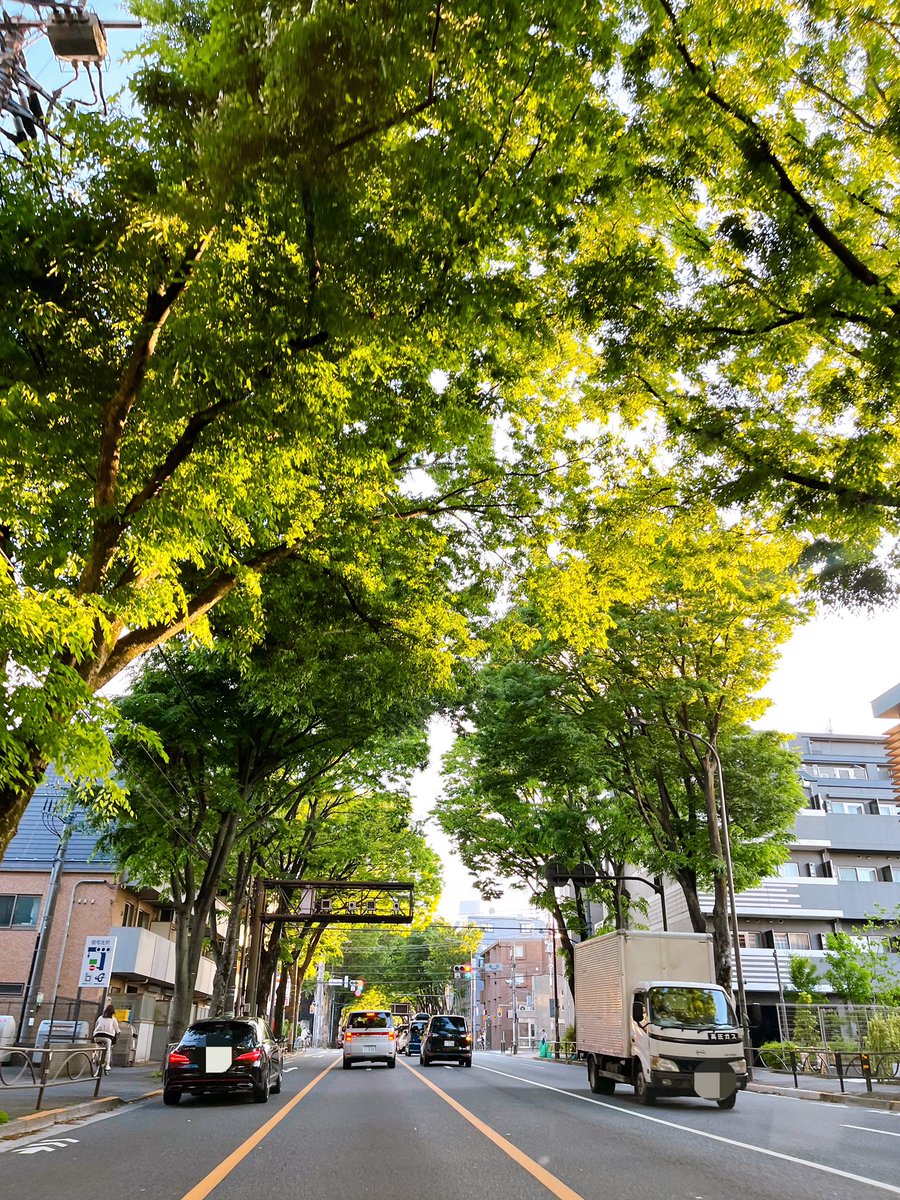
96, 965
493, 968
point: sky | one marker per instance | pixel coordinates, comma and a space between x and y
828, 675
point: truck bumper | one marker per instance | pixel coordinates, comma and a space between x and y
681, 1083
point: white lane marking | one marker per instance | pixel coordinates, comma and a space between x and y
886, 1132
287, 1070
713, 1137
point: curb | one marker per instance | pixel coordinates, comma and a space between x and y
34, 1122
853, 1099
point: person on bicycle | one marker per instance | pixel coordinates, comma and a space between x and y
106, 1031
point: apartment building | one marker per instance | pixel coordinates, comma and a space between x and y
92, 899
843, 871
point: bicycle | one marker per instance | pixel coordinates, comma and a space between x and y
101, 1059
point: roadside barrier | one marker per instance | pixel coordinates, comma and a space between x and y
40, 1069
883, 1066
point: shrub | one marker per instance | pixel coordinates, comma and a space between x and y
883, 1042
775, 1055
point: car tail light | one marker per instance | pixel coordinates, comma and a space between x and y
391, 1035
348, 1036
177, 1059
467, 1037
251, 1056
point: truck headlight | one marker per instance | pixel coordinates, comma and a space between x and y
738, 1065
663, 1064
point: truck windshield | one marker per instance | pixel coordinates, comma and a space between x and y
689, 1007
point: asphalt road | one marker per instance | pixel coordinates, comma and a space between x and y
508, 1129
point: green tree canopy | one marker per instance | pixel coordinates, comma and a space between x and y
277, 315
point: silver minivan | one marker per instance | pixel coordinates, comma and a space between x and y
369, 1036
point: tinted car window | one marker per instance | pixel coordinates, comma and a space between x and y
448, 1025
369, 1020
238, 1034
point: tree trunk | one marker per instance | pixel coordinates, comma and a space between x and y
268, 964
226, 969
281, 999
721, 939
14, 799
185, 976
687, 881
565, 944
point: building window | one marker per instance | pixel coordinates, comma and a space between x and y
844, 806
750, 941
19, 912
12, 989
799, 941
143, 919
128, 915
788, 870
862, 874
518, 951
886, 809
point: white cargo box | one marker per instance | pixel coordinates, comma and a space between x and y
608, 968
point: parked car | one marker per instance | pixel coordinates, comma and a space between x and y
446, 1038
369, 1036
412, 1042
224, 1054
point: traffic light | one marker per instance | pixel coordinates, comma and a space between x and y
462, 971
359, 986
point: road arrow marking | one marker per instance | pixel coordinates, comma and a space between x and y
59, 1144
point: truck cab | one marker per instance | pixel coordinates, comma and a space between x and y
685, 1040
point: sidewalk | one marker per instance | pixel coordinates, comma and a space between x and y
69, 1101
827, 1088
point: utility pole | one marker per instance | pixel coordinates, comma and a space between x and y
555, 994
39, 956
320, 1005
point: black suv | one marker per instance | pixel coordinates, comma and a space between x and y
446, 1038
224, 1054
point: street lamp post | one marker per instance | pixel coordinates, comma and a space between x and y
729, 875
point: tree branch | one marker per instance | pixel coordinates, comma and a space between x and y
763, 147
157, 310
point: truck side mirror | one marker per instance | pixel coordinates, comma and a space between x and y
637, 1011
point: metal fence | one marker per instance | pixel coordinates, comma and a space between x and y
882, 1066
40, 1069
842, 1027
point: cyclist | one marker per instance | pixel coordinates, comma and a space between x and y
106, 1031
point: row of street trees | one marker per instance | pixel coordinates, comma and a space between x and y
368, 324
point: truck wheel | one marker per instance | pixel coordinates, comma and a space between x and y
599, 1084
728, 1102
642, 1093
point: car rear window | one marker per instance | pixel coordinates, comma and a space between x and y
448, 1025
221, 1033
369, 1020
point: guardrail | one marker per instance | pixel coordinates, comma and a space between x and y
40, 1068
882, 1066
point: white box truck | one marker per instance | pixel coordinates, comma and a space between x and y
649, 1013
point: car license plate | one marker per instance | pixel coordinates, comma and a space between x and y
370, 1045
449, 1042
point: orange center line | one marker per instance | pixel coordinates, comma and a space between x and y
227, 1165
553, 1185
